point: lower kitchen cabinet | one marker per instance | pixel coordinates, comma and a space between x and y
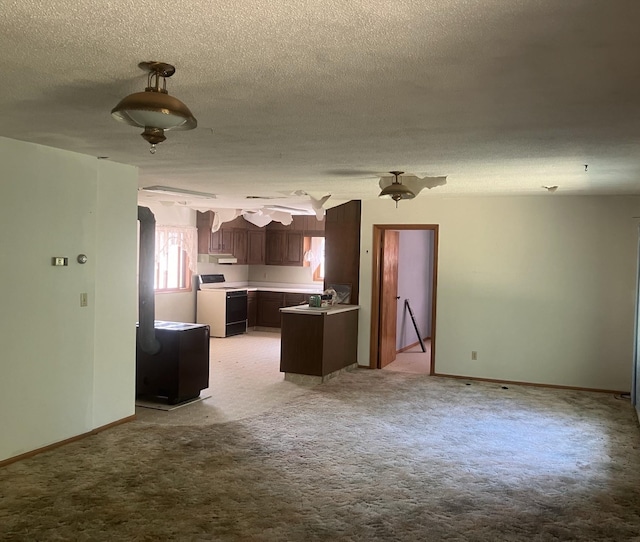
291, 299
270, 303
252, 309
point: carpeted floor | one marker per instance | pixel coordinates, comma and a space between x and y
371, 455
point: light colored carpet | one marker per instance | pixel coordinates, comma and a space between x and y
370, 455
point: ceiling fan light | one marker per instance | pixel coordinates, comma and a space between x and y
397, 192
154, 109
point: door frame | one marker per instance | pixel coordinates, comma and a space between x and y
375, 287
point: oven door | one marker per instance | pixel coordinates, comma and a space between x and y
236, 313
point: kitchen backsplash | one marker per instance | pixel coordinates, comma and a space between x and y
260, 273
281, 273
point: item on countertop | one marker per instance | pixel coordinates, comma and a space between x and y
329, 297
315, 301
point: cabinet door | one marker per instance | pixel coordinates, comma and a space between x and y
204, 222
269, 304
313, 227
294, 253
215, 242
292, 299
227, 241
256, 240
252, 309
274, 247
240, 245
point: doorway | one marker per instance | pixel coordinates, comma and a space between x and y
385, 300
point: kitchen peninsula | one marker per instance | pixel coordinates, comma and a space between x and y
318, 343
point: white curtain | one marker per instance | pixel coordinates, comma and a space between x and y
184, 237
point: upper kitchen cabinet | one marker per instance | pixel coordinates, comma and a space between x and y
231, 238
256, 246
284, 247
240, 244
313, 227
204, 221
275, 244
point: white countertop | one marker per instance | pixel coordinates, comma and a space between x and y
333, 309
272, 287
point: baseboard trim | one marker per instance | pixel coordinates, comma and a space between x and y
55, 445
417, 343
533, 384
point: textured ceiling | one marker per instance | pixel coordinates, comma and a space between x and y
320, 96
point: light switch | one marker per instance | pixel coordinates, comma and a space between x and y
83, 299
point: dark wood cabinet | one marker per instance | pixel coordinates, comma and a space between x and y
256, 243
284, 247
293, 248
318, 344
312, 227
239, 249
274, 251
204, 221
252, 309
291, 299
221, 241
342, 247
269, 304
276, 244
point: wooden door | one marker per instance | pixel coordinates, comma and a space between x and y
388, 297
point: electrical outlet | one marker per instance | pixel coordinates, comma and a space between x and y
474, 355
83, 299
59, 261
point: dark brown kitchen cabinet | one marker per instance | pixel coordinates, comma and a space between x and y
256, 244
284, 247
318, 344
313, 227
204, 221
269, 304
217, 242
292, 299
274, 247
221, 241
252, 309
293, 248
239, 249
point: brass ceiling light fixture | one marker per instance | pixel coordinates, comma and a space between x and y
154, 110
396, 189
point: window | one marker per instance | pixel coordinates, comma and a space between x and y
314, 256
175, 258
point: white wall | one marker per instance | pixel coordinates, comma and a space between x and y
414, 283
64, 369
542, 287
282, 274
